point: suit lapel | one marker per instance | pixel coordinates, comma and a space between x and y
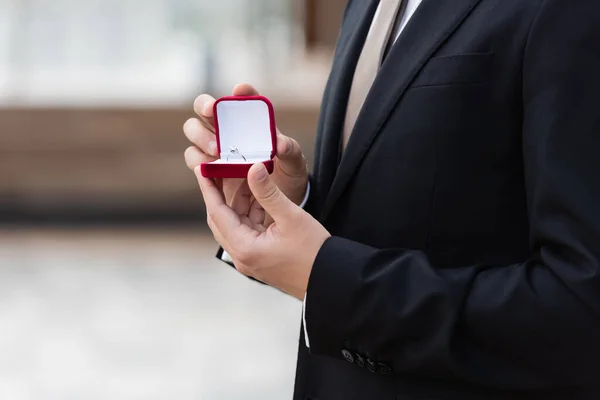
358, 20
433, 22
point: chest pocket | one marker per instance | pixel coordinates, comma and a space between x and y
458, 69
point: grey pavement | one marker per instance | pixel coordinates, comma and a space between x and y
137, 314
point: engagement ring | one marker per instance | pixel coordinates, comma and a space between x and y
234, 151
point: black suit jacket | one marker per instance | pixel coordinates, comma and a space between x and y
465, 211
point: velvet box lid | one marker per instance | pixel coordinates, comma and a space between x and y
246, 134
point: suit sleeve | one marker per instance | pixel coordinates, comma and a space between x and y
529, 325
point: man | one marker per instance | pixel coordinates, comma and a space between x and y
450, 245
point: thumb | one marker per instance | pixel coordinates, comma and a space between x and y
269, 196
244, 89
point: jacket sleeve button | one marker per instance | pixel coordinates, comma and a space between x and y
360, 360
371, 366
348, 356
384, 369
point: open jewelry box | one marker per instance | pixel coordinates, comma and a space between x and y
246, 134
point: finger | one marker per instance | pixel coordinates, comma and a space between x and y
203, 106
199, 135
269, 196
230, 187
241, 199
215, 231
245, 89
268, 220
194, 157
257, 214
225, 220
290, 157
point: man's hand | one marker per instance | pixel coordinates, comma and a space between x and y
280, 255
290, 173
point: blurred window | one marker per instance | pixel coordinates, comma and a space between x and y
140, 52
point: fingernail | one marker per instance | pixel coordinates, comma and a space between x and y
197, 171
261, 174
212, 147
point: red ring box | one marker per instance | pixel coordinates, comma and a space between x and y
245, 123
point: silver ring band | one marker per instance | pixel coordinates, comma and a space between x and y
233, 150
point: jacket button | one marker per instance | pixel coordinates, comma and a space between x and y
360, 360
348, 356
371, 366
384, 369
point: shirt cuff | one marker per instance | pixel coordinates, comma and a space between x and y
305, 200
226, 257
304, 302
304, 322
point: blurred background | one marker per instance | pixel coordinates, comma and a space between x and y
108, 283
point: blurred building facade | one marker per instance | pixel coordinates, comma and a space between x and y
93, 94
